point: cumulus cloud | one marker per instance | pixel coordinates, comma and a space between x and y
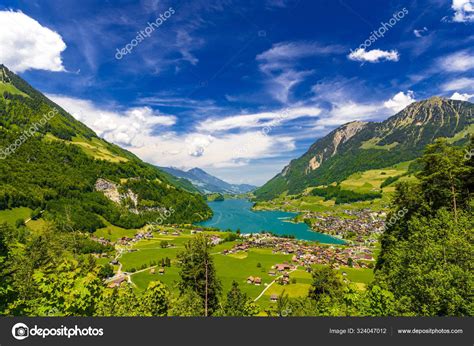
26, 44
348, 102
374, 55
400, 101
461, 97
457, 62
463, 11
459, 84
124, 128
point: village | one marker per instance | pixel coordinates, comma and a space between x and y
360, 227
307, 253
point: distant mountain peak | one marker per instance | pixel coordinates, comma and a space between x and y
207, 183
197, 170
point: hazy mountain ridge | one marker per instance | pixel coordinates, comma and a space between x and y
207, 183
359, 146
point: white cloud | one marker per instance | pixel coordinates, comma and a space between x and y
463, 11
400, 101
284, 52
458, 84
457, 62
202, 150
345, 109
281, 84
185, 43
257, 120
279, 64
374, 55
420, 32
123, 128
348, 111
136, 128
26, 44
461, 97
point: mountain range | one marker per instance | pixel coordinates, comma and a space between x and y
207, 183
360, 146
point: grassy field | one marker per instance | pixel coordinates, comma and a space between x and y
11, 89
93, 147
97, 149
469, 130
372, 179
362, 182
360, 277
372, 144
237, 267
11, 215
37, 225
113, 233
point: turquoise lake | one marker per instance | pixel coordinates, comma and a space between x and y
237, 214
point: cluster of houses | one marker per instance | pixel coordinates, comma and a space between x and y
254, 280
278, 269
356, 257
359, 225
237, 248
174, 232
137, 237
101, 240
305, 253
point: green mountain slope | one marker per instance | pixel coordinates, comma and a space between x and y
50, 161
359, 146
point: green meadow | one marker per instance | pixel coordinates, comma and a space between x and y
10, 216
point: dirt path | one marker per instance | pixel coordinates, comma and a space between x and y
270, 284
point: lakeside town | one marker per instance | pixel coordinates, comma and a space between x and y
362, 226
308, 253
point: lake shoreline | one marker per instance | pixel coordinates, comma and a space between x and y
237, 214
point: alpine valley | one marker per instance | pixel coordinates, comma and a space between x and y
89, 229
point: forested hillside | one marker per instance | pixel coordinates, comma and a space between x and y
51, 162
357, 146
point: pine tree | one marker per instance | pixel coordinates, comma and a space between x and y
198, 272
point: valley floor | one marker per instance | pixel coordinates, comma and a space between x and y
263, 265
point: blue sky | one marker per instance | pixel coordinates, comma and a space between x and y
238, 88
